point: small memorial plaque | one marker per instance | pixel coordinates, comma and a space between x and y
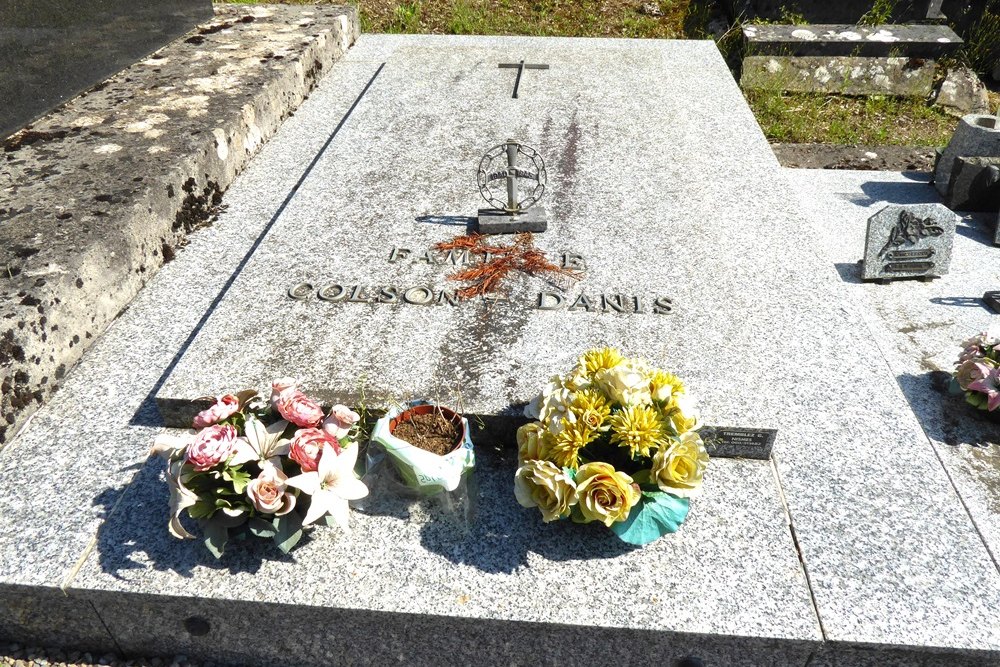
996, 232
992, 300
909, 242
738, 442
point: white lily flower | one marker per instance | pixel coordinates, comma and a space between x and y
261, 443
331, 486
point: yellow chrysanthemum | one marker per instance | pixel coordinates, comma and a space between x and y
565, 451
639, 428
664, 385
591, 408
599, 359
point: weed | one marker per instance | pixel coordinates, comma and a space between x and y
880, 13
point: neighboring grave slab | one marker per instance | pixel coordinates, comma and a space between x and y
909, 242
924, 41
50, 50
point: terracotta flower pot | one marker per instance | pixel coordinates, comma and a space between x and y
420, 469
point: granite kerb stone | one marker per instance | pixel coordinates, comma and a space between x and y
100, 193
923, 41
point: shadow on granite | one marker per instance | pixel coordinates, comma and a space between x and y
961, 302
450, 221
849, 272
120, 542
450, 527
917, 191
946, 417
457, 528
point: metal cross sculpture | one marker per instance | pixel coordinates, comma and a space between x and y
521, 66
512, 163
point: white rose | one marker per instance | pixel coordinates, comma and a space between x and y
627, 383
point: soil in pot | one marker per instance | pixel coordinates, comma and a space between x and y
432, 432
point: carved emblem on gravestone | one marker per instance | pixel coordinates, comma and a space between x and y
512, 180
909, 242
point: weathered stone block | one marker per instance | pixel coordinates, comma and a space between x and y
962, 93
976, 135
974, 184
907, 77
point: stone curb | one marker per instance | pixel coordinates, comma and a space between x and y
101, 192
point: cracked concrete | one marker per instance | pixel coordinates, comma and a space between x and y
97, 195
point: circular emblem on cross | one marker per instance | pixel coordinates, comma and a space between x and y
511, 177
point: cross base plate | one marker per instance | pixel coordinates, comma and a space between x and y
496, 221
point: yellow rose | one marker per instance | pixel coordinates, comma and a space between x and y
532, 442
544, 485
605, 494
678, 468
683, 416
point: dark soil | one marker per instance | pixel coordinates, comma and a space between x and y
879, 158
431, 432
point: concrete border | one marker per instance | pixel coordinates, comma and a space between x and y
100, 193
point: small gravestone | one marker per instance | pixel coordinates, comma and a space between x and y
992, 300
513, 164
909, 242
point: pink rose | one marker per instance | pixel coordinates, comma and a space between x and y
279, 387
307, 447
224, 407
340, 421
299, 409
211, 447
268, 494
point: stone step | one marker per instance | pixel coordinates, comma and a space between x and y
913, 41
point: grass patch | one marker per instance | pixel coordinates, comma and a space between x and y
665, 19
837, 119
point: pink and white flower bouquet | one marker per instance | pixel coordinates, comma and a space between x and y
267, 467
977, 371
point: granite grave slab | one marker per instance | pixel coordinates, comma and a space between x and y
850, 542
909, 242
50, 50
729, 286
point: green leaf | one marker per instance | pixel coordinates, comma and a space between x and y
202, 510
238, 478
656, 515
262, 527
216, 536
288, 531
